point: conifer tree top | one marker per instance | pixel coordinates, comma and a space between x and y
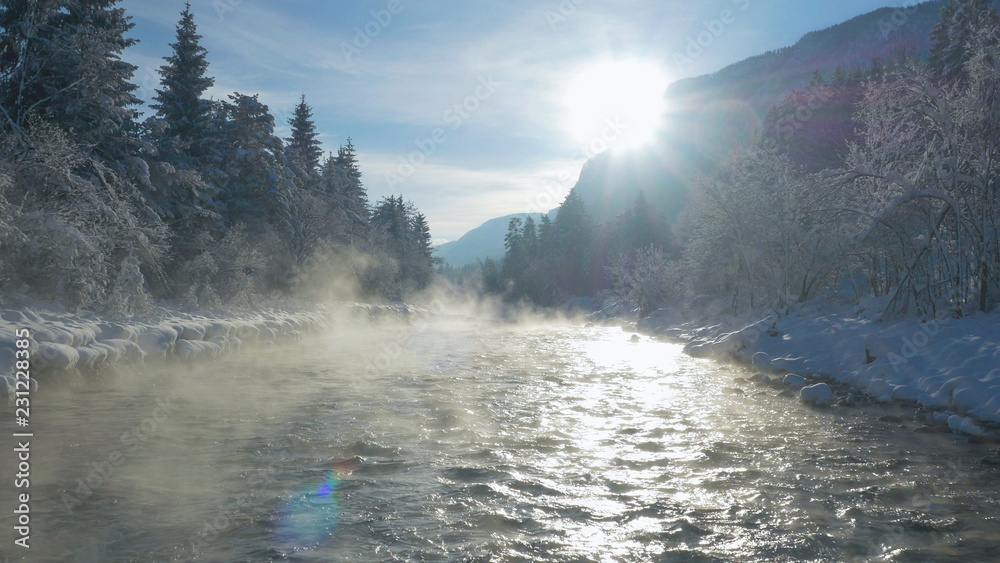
303, 145
183, 77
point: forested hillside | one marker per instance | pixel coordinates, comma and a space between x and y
102, 208
876, 184
709, 116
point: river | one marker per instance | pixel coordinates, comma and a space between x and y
471, 441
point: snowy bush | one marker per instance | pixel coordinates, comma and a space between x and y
757, 235
128, 294
9, 233
61, 260
228, 271
78, 220
921, 188
645, 278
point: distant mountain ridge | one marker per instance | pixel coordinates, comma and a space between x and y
711, 114
485, 241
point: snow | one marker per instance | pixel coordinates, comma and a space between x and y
942, 364
56, 356
6, 386
761, 360
793, 380
63, 344
820, 395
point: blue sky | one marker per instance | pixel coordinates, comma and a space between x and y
391, 81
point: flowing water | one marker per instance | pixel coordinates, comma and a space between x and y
466, 442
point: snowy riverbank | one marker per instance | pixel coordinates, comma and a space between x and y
62, 345
948, 367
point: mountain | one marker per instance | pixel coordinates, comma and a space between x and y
485, 241
708, 116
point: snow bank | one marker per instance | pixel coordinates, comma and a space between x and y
794, 380
62, 344
820, 395
939, 364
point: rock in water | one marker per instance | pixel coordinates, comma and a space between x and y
761, 361
820, 395
795, 381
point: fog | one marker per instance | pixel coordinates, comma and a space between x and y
194, 451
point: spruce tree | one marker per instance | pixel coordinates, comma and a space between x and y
179, 101
303, 147
61, 60
530, 237
645, 226
352, 191
960, 21
422, 258
256, 181
574, 232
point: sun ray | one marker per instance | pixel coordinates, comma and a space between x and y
615, 104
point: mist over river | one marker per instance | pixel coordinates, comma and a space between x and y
471, 441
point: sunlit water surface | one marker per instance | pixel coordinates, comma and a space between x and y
473, 442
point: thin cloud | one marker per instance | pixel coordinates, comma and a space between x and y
397, 87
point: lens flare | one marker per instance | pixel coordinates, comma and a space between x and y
312, 515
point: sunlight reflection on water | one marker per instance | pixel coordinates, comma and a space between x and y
499, 443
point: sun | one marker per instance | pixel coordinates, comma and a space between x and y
614, 104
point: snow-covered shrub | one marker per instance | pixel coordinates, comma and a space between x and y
225, 271
61, 260
335, 272
645, 278
382, 275
79, 219
128, 293
921, 187
9, 233
756, 234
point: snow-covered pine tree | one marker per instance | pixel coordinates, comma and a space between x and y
353, 193
68, 98
573, 230
951, 37
303, 147
179, 101
62, 61
251, 157
404, 239
514, 259
421, 259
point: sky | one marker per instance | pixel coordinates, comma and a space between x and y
471, 109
